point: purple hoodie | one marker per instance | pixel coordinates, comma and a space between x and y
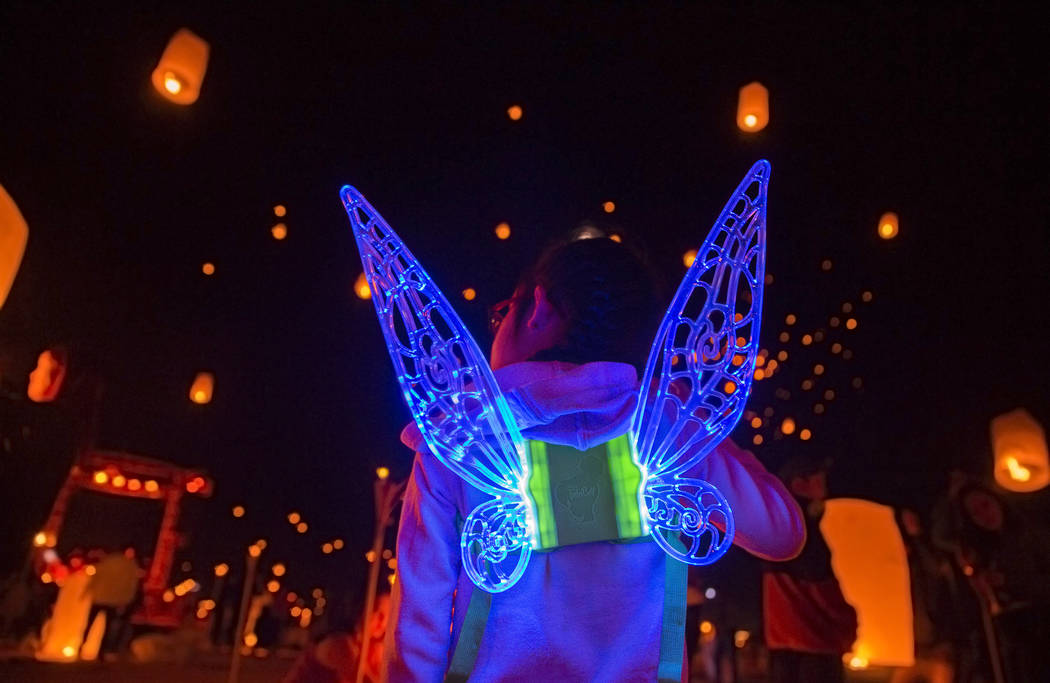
584, 612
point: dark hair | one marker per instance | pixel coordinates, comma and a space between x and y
608, 294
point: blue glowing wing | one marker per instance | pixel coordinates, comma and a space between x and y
699, 374
444, 376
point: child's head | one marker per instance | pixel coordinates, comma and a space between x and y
584, 300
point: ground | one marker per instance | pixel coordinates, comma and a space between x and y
204, 670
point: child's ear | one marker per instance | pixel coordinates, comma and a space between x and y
544, 313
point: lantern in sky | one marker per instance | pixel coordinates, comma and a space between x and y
889, 226
361, 287
1019, 445
869, 560
13, 236
180, 72
46, 380
202, 388
752, 111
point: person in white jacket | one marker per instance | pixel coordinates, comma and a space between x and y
567, 350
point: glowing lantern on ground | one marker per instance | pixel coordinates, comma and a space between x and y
888, 226
180, 72
868, 557
202, 388
46, 380
13, 236
752, 112
1019, 444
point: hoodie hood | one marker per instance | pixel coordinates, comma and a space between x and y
563, 403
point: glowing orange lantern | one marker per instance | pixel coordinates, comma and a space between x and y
889, 226
1019, 443
202, 388
46, 380
361, 287
868, 557
13, 236
503, 231
752, 112
515, 112
180, 72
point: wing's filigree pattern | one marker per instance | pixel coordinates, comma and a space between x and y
496, 545
444, 376
692, 509
699, 374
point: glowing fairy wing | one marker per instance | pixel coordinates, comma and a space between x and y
445, 378
702, 362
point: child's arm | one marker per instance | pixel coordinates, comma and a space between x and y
769, 523
428, 564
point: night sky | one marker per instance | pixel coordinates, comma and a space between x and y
937, 114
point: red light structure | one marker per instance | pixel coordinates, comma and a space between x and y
108, 472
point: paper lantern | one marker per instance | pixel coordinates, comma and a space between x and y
868, 557
46, 380
1019, 445
752, 112
889, 225
180, 72
202, 388
13, 236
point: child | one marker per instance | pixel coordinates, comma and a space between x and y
567, 352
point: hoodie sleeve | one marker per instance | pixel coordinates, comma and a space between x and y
418, 637
769, 523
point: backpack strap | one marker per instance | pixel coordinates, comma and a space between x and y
470, 635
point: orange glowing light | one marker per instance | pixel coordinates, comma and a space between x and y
119, 481
790, 319
616, 238
254, 550
294, 518
361, 287
302, 527
807, 339
134, 484
782, 356
152, 486
866, 297
836, 347
100, 477
169, 596
829, 395
279, 210
756, 422
382, 472
251, 640
757, 440
689, 257
326, 548
818, 369
45, 381
222, 569
784, 337
760, 374
273, 585
851, 324
296, 611
515, 112
182, 66
805, 434
202, 388
278, 569
752, 113
46, 578
503, 231
609, 207
788, 426
208, 268
469, 294
338, 544
889, 226
279, 231
40, 539
706, 627
730, 387
238, 511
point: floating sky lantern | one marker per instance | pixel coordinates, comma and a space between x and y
688, 257
279, 231
868, 557
889, 226
503, 231
13, 236
180, 72
361, 287
1019, 445
202, 388
208, 268
515, 112
469, 294
752, 112
609, 207
46, 380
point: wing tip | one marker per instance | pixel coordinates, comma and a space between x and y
761, 168
349, 193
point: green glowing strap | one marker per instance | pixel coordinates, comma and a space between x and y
626, 479
470, 635
539, 489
